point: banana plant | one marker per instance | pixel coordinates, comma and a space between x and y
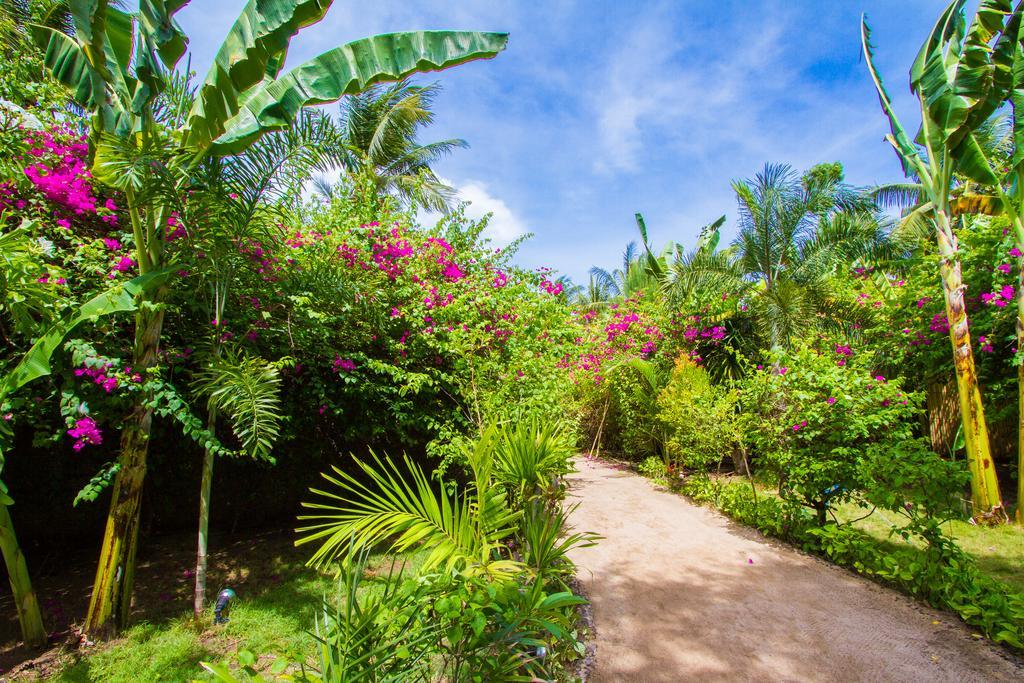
116, 65
960, 78
33, 365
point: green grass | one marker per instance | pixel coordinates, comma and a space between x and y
269, 619
998, 550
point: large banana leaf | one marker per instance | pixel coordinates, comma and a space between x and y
995, 18
972, 162
349, 69
933, 71
256, 39
36, 363
1017, 103
962, 73
66, 62
909, 157
156, 18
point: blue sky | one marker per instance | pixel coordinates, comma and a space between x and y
601, 108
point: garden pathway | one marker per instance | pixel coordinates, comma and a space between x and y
680, 593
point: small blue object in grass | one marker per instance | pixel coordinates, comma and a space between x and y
223, 606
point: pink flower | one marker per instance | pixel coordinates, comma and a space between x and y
343, 364
1004, 268
1015, 252
830, 400
1006, 292
125, 264
112, 244
85, 432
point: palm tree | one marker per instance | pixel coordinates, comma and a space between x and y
380, 127
240, 199
795, 233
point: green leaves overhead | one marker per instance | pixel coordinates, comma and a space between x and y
116, 64
67, 63
258, 38
898, 138
161, 33
345, 70
962, 74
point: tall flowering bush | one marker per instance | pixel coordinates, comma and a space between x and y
699, 416
819, 423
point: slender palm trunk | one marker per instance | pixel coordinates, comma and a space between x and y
220, 294
115, 575
32, 630
199, 604
984, 483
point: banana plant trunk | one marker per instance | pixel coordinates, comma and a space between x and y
31, 620
985, 497
111, 598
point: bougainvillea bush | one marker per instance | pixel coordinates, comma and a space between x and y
396, 333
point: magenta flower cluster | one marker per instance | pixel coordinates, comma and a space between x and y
99, 376
85, 432
343, 364
552, 288
1000, 298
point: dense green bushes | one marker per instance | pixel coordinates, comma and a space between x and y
491, 600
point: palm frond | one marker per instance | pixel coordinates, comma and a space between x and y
247, 392
403, 509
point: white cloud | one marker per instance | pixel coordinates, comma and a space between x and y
657, 86
504, 225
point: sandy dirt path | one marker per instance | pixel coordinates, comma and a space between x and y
680, 593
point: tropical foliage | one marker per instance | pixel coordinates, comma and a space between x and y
182, 292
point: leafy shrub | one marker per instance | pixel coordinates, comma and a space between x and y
813, 419
653, 467
699, 416
741, 502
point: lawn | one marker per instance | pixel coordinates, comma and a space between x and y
278, 598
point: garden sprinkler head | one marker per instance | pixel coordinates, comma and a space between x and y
223, 606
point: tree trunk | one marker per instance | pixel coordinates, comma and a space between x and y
987, 504
199, 604
115, 575
32, 630
739, 461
